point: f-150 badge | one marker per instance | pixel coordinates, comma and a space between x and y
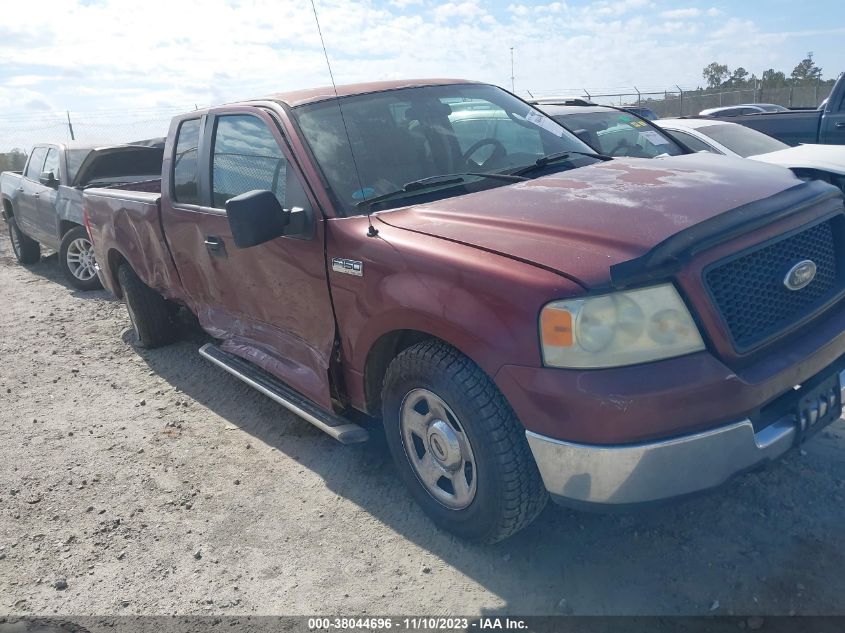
348, 266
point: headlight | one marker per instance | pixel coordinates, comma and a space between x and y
622, 328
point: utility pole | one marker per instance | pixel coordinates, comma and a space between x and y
70, 126
512, 84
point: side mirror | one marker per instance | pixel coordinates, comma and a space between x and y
256, 217
48, 179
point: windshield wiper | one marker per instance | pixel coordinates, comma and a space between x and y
557, 157
435, 181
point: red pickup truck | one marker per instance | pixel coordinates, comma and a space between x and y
525, 317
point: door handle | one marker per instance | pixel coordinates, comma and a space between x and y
215, 245
840, 124
20, 189
37, 194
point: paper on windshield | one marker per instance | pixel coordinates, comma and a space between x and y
544, 122
653, 137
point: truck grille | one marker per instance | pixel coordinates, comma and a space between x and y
750, 293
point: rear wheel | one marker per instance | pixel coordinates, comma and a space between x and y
76, 257
458, 445
27, 250
148, 311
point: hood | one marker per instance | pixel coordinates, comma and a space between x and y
581, 222
829, 158
142, 158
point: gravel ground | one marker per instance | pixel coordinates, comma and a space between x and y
151, 482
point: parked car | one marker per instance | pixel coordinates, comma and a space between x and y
562, 100
824, 162
538, 320
43, 204
615, 131
743, 108
825, 126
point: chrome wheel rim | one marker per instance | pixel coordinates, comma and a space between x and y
80, 259
15, 239
438, 449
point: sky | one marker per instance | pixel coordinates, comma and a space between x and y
100, 59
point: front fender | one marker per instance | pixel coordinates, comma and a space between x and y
483, 304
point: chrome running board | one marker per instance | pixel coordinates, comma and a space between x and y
339, 428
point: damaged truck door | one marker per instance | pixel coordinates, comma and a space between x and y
269, 302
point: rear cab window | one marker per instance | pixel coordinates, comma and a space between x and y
185, 163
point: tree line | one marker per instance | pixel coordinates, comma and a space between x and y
13, 160
805, 73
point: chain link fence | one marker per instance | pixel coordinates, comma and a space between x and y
18, 133
680, 102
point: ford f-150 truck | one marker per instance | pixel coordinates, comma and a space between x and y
826, 125
524, 316
43, 204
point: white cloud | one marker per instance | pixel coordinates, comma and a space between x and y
118, 54
680, 14
461, 10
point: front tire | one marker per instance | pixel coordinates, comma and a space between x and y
26, 249
458, 445
76, 258
148, 310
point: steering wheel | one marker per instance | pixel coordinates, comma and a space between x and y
624, 145
499, 152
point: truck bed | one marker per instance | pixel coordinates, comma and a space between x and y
125, 225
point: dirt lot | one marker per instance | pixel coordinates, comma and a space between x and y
151, 482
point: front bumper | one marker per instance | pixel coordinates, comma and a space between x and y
586, 474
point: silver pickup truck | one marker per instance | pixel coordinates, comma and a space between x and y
43, 204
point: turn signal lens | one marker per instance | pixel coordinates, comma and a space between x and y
557, 327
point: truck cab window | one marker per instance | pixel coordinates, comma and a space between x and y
246, 157
185, 188
52, 162
36, 162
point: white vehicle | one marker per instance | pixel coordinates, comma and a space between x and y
822, 162
743, 108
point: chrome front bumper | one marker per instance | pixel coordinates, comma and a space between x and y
640, 473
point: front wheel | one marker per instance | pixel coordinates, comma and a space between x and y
458, 445
76, 258
27, 250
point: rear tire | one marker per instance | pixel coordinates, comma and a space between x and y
148, 310
76, 259
458, 445
26, 249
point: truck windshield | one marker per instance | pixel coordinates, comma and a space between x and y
742, 140
407, 135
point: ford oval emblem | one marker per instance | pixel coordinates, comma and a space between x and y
800, 275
